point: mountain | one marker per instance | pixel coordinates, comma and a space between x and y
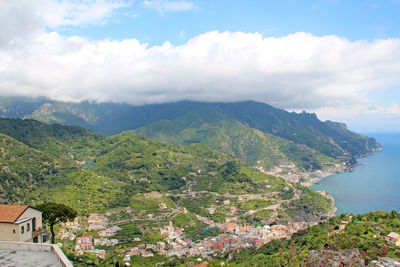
92, 173
257, 133
220, 131
21, 168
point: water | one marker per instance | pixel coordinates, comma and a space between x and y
374, 185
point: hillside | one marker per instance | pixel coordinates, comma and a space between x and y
21, 168
222, 132
94, 173
249, 130
53, 139
332, 243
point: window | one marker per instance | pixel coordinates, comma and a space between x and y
14, 231
28, 227
22, 230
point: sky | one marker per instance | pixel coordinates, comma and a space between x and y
337, 58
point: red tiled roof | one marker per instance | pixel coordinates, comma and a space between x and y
10, 213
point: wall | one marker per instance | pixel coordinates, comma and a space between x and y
6, 232
30, 213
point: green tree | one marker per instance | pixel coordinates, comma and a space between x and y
54, 213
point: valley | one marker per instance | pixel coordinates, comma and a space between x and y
209, 187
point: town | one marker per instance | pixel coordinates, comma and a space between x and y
232, 237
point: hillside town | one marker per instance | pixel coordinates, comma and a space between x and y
232, 237
97, 234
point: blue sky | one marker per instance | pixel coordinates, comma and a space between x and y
337, 58
354, 20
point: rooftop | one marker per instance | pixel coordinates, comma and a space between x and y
10, 213
30, 254
9, 257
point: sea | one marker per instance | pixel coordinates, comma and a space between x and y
372, 185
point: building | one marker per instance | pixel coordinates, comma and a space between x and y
96, 222
21, 224
161, 246
83, 244
385, 261
30, 254
393, 239
74, 225
100, 253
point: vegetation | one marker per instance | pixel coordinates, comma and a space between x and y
364, 233
249, 120
160, 181
227, 134
21, 169
53, 213
92, 173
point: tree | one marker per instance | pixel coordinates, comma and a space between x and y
54, 213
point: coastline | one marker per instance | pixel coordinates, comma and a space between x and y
334, 210
314, 180
291, 173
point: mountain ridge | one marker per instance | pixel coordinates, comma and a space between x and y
255, 120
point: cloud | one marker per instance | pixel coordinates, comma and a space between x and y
163, 6
329, 75
298, 71
365, 118
19, 20
182, 35
24, 19
80, 12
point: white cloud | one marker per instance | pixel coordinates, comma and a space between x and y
298, 71
365, 118
182, 35
80, 12
169, 6
19, 20
23, 19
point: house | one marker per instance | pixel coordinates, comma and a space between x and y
393, 239
230, 227
74, 224
96, 222
161, 246
343, 225
21, 224
68, 235
83, 244
100, 253
109, 232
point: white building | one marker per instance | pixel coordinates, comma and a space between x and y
393, 239
21, 224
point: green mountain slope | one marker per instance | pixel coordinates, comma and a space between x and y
21, 168
94, 173
219, 131
53, 139
331, 139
